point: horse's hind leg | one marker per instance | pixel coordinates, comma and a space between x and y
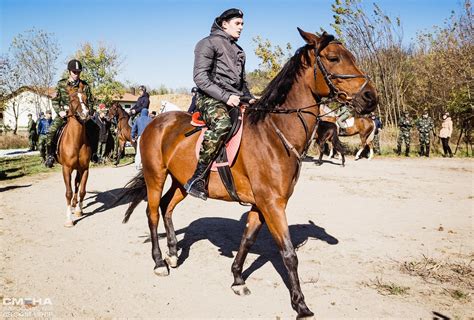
173, 196
67, 172
275, 218
155, 181
254, 224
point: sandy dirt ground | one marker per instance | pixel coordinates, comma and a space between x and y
390, 238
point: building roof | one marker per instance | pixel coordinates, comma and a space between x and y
45, 92
126, 97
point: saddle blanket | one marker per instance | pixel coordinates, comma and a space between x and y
348, 122
232, 147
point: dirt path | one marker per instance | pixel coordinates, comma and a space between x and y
355, 227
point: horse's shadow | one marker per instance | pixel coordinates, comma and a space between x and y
107, 200
226, 234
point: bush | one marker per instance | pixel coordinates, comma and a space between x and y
11, 141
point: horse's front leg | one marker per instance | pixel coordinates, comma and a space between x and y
275, 218
168, 202
254, 224
67, 172
77, 182
82, 191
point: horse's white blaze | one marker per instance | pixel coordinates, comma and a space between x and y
83, 106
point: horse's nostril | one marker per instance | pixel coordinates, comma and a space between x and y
369, 96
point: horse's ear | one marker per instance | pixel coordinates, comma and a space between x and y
310, 38
324, 40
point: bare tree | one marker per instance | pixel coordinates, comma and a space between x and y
36, 53
376, 40
10, 82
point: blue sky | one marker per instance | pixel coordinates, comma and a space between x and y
157, 38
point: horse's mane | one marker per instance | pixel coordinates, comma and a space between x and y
119, 107
277, 90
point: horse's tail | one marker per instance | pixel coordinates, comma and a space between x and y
134, 193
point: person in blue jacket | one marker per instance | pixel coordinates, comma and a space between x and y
140, 124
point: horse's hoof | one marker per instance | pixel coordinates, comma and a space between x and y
78, 213
241, 290
69, 224
305, 317
161, 271
172, 261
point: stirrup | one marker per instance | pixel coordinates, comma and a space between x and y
49, 162
193, 188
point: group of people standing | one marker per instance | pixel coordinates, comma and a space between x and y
425, 126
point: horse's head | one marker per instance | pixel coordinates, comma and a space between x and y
78, 105
337, 75
112, 112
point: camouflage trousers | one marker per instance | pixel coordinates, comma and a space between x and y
376, 143
42, 145
218, 122
55, 125
403, 136
32, 140
424, 139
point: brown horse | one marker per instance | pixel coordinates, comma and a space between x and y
365, 127
327, 131
276, 135
124, 131
74, 153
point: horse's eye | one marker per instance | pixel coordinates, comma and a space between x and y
333, 59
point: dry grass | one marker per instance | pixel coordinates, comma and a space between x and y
387, 288
458, 273
11, 141
181, 100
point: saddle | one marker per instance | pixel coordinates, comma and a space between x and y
57, 139
228, 150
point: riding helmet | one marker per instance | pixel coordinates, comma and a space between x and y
74, 65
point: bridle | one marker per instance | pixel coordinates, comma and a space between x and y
85, 110
335, 92
335, 95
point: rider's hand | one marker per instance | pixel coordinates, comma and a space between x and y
252, 101
62, 113
133, 111
233, 101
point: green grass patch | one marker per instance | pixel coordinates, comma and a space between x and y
17, 167
387, 288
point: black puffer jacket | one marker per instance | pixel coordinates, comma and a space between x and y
219, 66
143, 102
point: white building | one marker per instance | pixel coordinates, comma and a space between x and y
25, 100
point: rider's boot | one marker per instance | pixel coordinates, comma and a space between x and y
196, 186
49, 162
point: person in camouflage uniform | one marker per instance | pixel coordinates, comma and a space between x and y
425, 126
32, 132
378, 128
60, 105
405, 124
343, 113
219, 73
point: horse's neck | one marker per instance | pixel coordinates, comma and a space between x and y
291, 125
74, 133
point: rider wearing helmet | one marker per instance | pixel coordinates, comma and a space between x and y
192, 106
143, 101
61, 105
219, 73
